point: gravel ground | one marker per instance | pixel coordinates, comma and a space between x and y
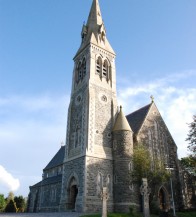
57, 214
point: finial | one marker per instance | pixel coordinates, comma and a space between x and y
152, 98
62, 143
120, 107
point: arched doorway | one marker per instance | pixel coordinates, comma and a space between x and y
163, 199
72, 193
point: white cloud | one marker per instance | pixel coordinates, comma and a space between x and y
8, 181
177, 104
31, 131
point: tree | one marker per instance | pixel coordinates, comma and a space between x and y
10, 204
155, 172
143, 167
20, 203
189, 164
2, 203
192, 137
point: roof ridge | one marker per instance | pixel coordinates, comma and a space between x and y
139, 109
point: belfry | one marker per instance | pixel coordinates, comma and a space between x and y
100, 139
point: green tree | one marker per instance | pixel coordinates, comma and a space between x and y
10, 196
189, 164
192, 137
20, 203
155, 172
143, 167
2, 203
10, 204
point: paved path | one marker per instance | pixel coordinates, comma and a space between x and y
55, 214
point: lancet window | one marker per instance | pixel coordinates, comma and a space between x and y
81, 71
105, 69
98, 65
102, 68
109, 184
77, 137
99, 183
83, 68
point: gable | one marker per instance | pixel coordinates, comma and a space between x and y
137, 118
154, 130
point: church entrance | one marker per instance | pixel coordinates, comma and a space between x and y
163, 199
72, 193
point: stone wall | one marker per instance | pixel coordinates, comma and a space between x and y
155, 135
73, 169
99, 174
124, 191
45, 198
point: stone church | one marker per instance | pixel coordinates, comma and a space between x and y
100, 139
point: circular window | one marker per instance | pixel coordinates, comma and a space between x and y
104, 98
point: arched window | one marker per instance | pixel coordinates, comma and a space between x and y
109, 184
83, 68
105, 69
98, 65
77, 137
79, 72
99, 183
115, 179
130, 166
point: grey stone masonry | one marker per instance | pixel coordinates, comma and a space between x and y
122, 153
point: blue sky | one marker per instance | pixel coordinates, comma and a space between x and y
156, 51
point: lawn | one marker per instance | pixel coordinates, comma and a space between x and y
178, 214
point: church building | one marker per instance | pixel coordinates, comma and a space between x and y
100, 139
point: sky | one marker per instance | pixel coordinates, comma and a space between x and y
155, 45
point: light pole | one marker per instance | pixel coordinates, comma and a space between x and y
173, 204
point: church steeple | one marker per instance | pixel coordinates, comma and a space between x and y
95, 18
94, 31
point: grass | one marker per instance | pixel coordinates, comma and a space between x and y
178, 214
186, 214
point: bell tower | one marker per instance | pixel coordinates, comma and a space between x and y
92, 110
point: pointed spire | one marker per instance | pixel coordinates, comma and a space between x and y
95, 17
94, 31
121, 123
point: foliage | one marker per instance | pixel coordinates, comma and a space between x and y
10, 196
20, 203
189, 164
2, 203
11, 206
133, 212
154, 207
192, 137
186, 214
144, 168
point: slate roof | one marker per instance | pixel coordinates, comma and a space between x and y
48, 181
121, 122
136, 118
57, 159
